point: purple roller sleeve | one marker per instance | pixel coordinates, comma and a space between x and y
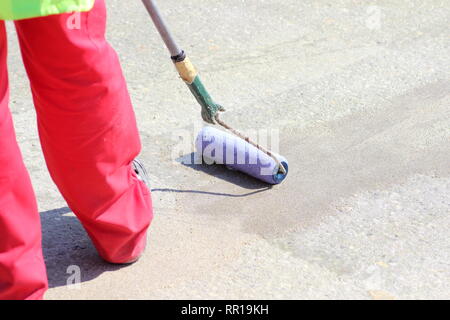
220, 147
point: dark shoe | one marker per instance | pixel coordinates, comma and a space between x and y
141, 173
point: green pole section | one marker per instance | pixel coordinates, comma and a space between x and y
209, 107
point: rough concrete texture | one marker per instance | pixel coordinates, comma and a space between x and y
360, 94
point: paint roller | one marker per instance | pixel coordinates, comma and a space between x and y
219, 147
236, 151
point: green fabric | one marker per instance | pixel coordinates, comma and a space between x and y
23, 9
209, 107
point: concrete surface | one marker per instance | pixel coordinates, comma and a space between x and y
360, 95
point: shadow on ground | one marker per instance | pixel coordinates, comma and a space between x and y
222, 172
65, 243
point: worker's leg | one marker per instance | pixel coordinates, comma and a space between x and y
87, 128
22, 269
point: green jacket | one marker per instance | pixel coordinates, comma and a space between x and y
22, 9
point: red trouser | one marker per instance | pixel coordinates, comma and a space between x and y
89, 137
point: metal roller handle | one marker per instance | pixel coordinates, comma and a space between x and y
160, 24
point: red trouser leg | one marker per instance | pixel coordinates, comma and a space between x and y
87, 128
22, 269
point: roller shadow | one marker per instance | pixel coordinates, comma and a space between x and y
222, 172
210, 193
65, 243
